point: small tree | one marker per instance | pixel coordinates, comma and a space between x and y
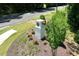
56, 29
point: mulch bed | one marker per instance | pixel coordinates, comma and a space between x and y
72, 48
35, 47
31, 47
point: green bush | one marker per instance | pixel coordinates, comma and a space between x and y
77, 37
56, 29
73, 17
73, 20
42, 17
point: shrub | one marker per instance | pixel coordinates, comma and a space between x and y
73, 20
73, 17
56, 29
42, 17
77, 37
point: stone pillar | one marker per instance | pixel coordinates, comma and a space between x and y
39, 29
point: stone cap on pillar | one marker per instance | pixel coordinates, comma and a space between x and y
39, 22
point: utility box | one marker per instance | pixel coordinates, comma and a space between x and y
39, 29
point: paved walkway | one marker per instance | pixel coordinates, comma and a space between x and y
6, 35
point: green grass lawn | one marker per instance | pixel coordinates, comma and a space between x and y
4, 30
20, 28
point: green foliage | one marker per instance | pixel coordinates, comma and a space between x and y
77, 37
22, 38
73, 20
42, 17
73, 17
9, 8
56, 29
18, 8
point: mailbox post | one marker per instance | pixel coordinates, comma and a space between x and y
39, 29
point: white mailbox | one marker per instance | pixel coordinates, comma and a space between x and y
39, 29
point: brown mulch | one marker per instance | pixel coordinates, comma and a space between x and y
31, 47
35, 47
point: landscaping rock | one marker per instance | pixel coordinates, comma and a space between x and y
61, 52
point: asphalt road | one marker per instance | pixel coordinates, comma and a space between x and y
27, 16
